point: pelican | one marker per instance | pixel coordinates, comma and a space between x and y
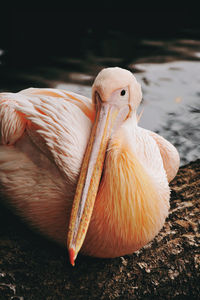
83, 172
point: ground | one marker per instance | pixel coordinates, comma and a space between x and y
167, 268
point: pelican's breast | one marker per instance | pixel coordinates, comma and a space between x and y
133, 198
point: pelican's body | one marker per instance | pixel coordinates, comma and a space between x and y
44, 135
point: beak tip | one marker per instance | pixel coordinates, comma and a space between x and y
72, 256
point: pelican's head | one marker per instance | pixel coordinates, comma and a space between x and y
116, 94
117, 86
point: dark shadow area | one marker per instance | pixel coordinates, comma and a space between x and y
33, 37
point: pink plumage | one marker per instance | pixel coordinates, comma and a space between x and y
43, 137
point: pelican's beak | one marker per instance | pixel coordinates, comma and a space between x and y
108, 116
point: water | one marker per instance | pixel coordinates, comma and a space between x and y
168, 70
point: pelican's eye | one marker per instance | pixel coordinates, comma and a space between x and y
120, 96
123, 92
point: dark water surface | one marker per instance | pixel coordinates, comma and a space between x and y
167, 68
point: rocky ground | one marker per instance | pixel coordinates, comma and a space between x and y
167, 268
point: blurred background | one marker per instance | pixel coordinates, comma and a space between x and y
67, 49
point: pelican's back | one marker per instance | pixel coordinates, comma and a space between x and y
44, 133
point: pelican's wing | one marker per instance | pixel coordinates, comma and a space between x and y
84, 103
12, 125
58, 122
170, 156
